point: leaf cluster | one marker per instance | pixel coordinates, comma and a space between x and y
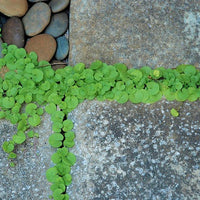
59, 175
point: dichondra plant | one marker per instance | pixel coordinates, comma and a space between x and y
36, 85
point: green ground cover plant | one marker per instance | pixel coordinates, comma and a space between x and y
40, 89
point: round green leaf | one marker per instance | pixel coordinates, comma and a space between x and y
67, 179
31, 108
182, 95
56, 158
67, 125
190, 70
72, 101
51, 174
137, 97
71, 158
57, 116
37, 75
153, 87
121, 96
63, 169
20, 53
8, 102
12, 155
55, 140
68, 143
19, 138
34, 120
8, 146
50, 108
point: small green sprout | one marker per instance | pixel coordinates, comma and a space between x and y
12, 164
174, 112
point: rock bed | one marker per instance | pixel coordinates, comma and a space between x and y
37, 25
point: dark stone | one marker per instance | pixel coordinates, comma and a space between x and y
13, 32
1, 55
3, 20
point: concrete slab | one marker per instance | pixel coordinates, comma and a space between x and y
129, 152
137, 33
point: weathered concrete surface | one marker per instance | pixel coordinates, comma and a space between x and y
27, 180
129, 152
135, 32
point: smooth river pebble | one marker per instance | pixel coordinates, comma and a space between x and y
13, 32
58, 24
44, 45
62, 48
12, 8
58, 5
37, 18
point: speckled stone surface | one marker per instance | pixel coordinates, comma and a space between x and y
27, 180
137, 33
131, 152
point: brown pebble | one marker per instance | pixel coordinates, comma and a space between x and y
12, 8
44, 45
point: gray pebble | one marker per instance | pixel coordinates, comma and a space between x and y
58, 5
37, 18
58, 24
62, 48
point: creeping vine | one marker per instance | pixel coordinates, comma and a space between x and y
36, 86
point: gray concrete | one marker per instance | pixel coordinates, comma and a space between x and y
137, 33
131, 152
27, 180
